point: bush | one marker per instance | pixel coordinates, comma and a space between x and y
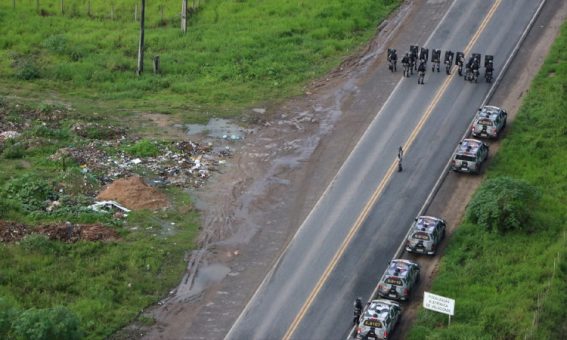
31, 191
27, 71
14, 151
143, 148
51, 323
504, 204
56, 43
7, 314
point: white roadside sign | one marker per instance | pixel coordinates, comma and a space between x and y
438, 303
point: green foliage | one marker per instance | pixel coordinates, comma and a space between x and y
56, 43
14, 150
7, 315
143, 148
234, 55
25, 67
30, 190
504, 204
47, 324
501, 282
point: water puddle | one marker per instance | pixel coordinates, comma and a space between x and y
217, 128
206, 276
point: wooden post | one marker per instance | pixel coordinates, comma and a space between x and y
161, 8
184, 16
89, 8
112, 10
14, 4
156, 64
136, 11
141, 45
62, 7
37, 5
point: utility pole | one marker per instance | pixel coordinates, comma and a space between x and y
184, 16
141, 45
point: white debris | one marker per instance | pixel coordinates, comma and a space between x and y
107, 206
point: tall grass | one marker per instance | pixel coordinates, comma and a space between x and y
514, 285
235, 54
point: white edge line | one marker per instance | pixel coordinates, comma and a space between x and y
445, 170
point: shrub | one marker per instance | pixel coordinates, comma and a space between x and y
51, 323
25, 66
143, 148
7, 314
31, 191
14, 151
503, 204
56, 43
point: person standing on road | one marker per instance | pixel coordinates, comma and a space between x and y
421, 73
400, 155
357, 310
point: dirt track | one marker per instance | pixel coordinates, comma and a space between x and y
252, 210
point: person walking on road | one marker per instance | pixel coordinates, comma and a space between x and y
400, 155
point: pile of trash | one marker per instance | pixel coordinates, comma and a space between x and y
64, 232
184, 164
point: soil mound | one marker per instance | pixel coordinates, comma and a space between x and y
134, 193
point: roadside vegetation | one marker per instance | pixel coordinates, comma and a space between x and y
506, 265
235, 54
69, 117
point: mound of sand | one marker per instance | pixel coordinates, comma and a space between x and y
134, 193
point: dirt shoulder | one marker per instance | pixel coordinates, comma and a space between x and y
290, 154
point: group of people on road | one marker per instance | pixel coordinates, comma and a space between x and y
416, 59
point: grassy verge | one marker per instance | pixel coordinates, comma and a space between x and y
235, 54
513, 285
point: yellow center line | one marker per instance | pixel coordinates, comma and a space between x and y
378, 192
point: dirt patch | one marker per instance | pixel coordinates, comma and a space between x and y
66, 232
134, 193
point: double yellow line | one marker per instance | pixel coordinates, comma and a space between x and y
378, 192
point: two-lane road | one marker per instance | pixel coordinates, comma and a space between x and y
355, 228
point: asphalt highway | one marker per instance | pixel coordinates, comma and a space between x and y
344, 245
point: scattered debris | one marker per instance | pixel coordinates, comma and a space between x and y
10, 232
8, 135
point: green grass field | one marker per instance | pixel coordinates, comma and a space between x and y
236, 54
513, 285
